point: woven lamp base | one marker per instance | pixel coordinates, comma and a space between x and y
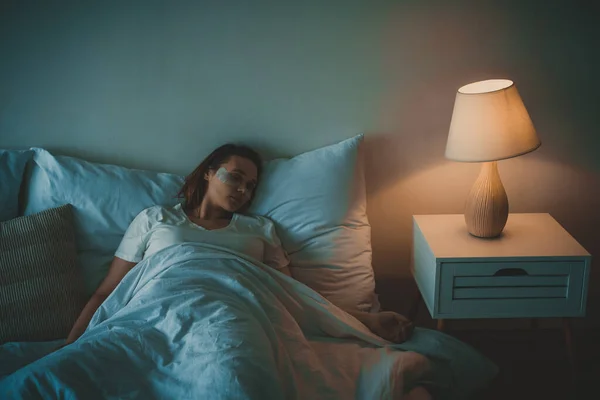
486, 210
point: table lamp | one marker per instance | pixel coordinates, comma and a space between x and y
489, 123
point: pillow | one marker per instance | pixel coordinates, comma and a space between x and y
318, 202
316, 199
105, 198
12, 166
40, 286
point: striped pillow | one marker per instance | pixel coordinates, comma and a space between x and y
41, 292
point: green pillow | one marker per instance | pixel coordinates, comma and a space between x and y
41, 291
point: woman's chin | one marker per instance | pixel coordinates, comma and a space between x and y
233, 206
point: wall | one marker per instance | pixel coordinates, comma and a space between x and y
158, 84
430, 51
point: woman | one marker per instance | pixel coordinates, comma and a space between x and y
215, 196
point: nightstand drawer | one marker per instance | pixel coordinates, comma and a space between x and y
511, 289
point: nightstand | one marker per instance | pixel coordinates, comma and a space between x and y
534, 269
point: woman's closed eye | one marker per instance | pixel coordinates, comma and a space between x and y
237, 180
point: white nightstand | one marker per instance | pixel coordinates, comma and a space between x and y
534, 269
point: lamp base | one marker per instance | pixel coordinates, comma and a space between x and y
486, 210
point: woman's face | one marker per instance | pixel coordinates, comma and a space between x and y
232, 185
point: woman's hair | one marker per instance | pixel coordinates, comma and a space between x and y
194, 187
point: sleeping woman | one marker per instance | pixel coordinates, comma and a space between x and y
215, 196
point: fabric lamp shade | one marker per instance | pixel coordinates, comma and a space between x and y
489, 123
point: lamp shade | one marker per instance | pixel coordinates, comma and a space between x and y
489, 122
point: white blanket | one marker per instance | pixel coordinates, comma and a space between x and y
197, 321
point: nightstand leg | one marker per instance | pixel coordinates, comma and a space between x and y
441, 325
569, 346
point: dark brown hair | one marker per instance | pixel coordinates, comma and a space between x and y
194, 187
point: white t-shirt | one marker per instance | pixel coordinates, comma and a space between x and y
158, 227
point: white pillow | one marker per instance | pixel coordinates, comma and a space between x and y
318, 203
105, 199
316, 199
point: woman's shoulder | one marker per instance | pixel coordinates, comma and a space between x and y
159, 213
254, 219
256, 224
259, 225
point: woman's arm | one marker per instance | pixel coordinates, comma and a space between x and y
118, 270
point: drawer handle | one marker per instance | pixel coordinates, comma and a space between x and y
511, 272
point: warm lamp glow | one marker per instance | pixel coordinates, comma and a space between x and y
490, 122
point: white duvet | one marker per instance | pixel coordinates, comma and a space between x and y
199, 322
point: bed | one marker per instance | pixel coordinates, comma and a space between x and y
199, 321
